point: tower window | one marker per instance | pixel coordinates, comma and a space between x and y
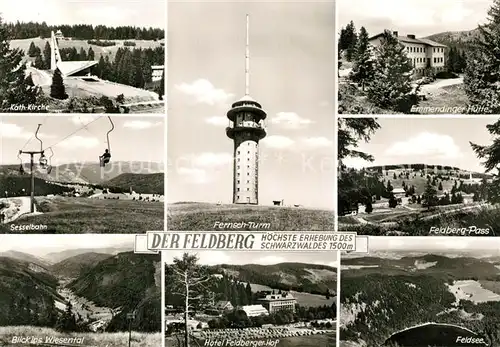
238, 189
247, 152
238, 159
247, 181
248, 159
238, 152
238, 167
248, 173
238, 174
248, 189
248, 166
239, 181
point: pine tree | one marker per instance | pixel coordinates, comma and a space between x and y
57, 89
351, 38
391, 87
13, 89
46, 56
161, 87
39, 64
482, 74
32, 49
429, 198
362, 71
91, 54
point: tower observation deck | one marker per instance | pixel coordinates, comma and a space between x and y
246, 129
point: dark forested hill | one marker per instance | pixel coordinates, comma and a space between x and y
310, 278
27, 294
128, 281
382, 296
140, 183
73, 266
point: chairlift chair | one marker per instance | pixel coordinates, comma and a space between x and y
106, 157
43, 162
21, 168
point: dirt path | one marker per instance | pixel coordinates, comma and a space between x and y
437, 87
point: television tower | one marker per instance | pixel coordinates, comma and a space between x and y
246, 128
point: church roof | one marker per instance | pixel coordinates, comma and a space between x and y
69, 68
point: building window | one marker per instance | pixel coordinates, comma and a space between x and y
248, 173
248, 166
248, 159
238, 181
238, 159
238, 167
238, 152
238, 189
247, 181
248, 152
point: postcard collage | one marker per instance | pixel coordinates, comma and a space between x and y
250, 173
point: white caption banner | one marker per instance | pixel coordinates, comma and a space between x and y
299, 241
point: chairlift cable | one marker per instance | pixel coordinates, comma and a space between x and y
74, 132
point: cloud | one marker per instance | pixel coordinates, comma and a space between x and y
13, 131
356, 163
409, 13
426, 144
278, 142
77, 141
204, 92
211, 159
217, 121
140, 124
317, 142
290, 120
193, 175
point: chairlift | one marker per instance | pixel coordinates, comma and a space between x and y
106, 157
43, 162
21, 168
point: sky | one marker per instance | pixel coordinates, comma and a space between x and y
40, 245
418, 17
396, 247
291, 76
141, 13
133, 139
261, 258
436, 141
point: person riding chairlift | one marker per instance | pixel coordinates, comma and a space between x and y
104, 159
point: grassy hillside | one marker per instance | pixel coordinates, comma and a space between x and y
83, 215
98, 50
27, 294
392, 295
203, 216
128, 281
72, 267
143, 183
310, 278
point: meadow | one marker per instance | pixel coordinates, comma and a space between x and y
204, 216
90, 339
84, 215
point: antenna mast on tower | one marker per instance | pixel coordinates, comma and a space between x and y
247, 59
